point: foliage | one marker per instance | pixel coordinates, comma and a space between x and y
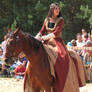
30, 14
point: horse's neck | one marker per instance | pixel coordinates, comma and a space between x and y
37, 57
34, 51
30, 49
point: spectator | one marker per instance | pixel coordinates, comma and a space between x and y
83, 32
88, 60
9, 30
73, 41
69, 44
23, 59
89, 36
3, 43
1, 53
5, 68
79, 41
85, 39
20, 71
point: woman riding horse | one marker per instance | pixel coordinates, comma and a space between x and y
52, 29
50, 35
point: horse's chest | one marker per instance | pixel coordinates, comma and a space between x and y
35, 72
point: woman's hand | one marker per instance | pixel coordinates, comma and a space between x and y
40, 39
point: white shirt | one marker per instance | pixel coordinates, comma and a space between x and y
80, 44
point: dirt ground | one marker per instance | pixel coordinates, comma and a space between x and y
16, 85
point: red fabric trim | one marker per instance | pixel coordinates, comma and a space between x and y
61, 66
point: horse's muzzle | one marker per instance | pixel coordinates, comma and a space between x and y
10, 60
6, 61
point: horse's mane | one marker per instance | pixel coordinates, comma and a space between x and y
37, 43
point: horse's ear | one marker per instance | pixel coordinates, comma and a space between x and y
16, 31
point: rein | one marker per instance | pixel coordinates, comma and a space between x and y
14, 50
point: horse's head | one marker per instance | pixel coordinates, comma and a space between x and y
12, 46
17, 42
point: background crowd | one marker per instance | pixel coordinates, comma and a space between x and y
16, 70
83, 39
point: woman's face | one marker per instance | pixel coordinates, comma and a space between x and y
56, 11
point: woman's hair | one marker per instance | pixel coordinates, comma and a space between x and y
51, 10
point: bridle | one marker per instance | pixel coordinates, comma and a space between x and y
13, 53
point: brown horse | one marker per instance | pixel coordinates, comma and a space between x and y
38, 75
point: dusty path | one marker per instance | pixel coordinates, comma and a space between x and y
15, 85
11, 85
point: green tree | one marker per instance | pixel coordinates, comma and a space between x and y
30, 14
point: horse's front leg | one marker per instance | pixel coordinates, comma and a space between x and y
50, 90
54, 90
35, 87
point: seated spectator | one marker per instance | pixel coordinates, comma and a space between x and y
69, 44
4, 43
89, 36
3, 67
1, 53
9, 30
84, 31
73, 41
20, 71
85, 37
79, 41
88, 60
23, 59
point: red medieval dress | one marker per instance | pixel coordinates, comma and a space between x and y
62, 62
65, 67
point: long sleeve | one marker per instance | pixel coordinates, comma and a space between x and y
59, 27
